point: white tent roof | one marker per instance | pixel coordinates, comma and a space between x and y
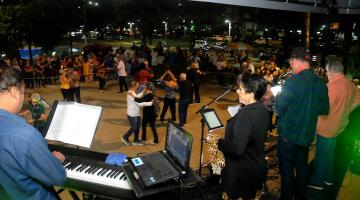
312, 6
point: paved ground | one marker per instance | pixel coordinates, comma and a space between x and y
114, 124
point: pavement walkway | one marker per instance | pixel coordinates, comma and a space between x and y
113, 124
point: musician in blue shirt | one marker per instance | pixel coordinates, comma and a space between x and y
27, 168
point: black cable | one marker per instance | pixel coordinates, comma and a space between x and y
181, 188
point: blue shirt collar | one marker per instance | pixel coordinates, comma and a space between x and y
11, 115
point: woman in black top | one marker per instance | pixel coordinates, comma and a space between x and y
149, 112
243, 144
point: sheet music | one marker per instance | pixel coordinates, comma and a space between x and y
275, 90
233, 110
212, 120
74, 123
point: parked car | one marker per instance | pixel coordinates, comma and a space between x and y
219, 45
201, 44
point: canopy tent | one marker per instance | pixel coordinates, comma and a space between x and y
24, 53
312, 6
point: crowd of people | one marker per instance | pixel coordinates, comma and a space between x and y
306, 108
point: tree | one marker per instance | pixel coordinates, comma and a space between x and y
39, 22
148, 14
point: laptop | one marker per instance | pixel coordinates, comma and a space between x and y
171, 163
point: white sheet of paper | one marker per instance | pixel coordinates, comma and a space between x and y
74, 123
275, 90
233, 110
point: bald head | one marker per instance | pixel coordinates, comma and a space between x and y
182, 76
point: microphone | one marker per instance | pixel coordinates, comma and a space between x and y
286, 73
203, 108
227, 90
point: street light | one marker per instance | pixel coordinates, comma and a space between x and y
93, 3
131, 25
165, 26
90, 3
229, 22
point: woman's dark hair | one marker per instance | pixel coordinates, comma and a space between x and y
168, 77
10, 77
132, 83
253, 83
142, 66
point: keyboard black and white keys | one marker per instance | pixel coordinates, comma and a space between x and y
95, 172
87, 172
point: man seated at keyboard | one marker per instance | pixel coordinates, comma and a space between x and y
27, 168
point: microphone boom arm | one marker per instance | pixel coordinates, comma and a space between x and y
212, 101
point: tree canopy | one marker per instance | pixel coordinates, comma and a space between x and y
40, 22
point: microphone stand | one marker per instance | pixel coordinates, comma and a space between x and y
201, 110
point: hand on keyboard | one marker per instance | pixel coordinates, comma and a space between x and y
59, 156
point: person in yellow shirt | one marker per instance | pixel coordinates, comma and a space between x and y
87, 71
65, 81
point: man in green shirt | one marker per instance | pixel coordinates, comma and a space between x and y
302, 99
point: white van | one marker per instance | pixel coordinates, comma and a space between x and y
201, 44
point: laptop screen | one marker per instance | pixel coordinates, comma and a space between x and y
178, 144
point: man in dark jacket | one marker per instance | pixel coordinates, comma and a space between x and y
185, 90
149, 113
302, 99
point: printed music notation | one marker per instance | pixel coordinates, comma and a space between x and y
74, 123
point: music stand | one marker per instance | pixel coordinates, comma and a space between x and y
211, 119
212, 126
68, 119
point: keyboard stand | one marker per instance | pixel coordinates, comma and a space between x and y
88, 186
189, 180
73, 194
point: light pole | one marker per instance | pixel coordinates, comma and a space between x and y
85, 3
165, 26
229, 22
131, 25
85, 22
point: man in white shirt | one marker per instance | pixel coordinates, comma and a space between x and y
133, 114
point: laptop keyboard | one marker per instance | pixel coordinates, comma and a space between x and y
160, 166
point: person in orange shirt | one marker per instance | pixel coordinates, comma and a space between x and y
343, 98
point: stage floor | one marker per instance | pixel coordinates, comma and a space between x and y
114, 124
